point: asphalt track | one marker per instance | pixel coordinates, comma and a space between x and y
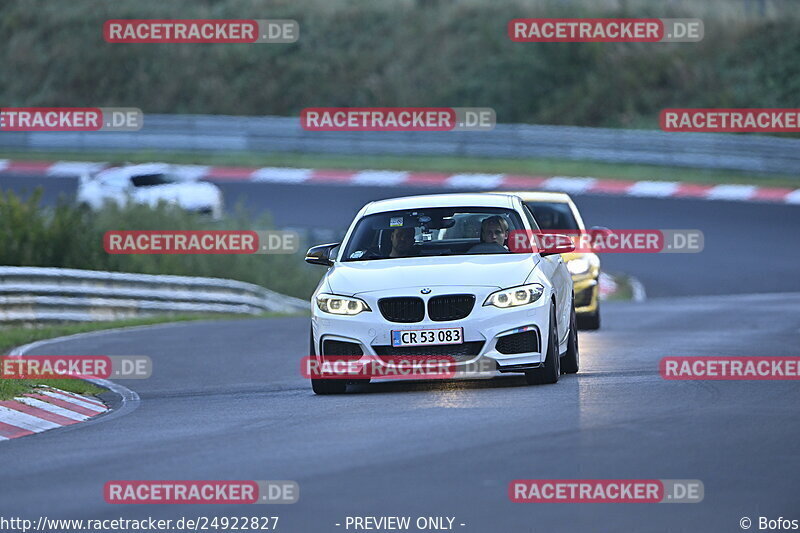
226, 401
749, 247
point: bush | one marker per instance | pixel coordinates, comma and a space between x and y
68, 236
403, 53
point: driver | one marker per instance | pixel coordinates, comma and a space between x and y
403, 242
545, 218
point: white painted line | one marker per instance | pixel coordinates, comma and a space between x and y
382, 178
793, 197
74, 168
475, 181
281, 175
573, 185
25, 421
731, 192
56, 410
3, 438
75, 401
653, 188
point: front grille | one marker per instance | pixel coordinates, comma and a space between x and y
450, 307
403, 310
460, 352
341, 348
584, 298
524, 342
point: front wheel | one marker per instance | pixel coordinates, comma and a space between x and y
328, 386
325, 386
549, 372
571, 358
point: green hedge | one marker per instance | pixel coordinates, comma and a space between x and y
423, 53
69, 236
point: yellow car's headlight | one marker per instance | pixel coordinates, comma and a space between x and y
341, 305
578, 266
515, 296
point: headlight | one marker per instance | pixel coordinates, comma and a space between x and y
522, 295
341, 305
578, 266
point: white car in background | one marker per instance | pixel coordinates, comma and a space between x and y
150, 184
420, 265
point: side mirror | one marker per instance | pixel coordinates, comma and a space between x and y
321, 255
543, 242
557, 244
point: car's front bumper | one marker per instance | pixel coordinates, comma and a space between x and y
586, 294
483, 328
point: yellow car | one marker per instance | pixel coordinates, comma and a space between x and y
556, 211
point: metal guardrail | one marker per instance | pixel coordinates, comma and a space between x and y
32, 294
283, 134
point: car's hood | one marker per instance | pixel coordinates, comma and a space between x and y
497, 270
186, 195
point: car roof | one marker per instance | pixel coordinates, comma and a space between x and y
501, 200
542, 196
138, 170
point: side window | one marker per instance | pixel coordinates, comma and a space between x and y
529, 216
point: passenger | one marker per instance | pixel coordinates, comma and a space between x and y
494, 232
494, 229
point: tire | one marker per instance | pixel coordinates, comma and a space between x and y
571, 359
552, 364
591, 321
325, 386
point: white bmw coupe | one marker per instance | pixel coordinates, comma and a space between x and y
150, 184
433, 276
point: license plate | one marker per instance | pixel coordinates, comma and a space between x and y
427, 337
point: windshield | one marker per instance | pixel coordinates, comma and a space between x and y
432, 232
553, 215
149, 180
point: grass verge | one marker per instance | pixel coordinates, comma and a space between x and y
19, 335
540, 167
11, 388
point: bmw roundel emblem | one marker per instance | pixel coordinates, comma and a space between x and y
425, 291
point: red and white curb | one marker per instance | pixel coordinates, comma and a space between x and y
45, 408
391, 178
49, 408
